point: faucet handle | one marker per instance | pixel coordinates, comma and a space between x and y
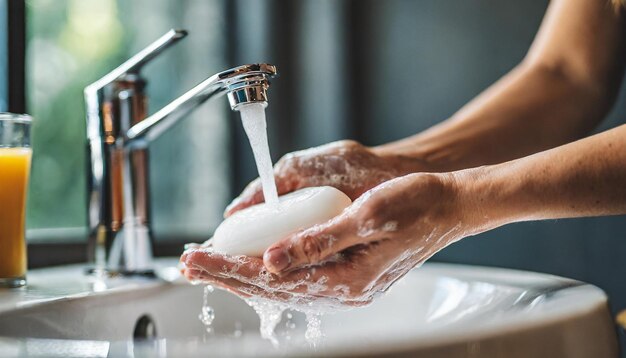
134, 64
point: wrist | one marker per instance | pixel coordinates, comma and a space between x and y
486, 198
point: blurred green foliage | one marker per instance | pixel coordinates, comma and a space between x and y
69, 45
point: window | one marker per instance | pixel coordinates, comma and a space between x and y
72, 43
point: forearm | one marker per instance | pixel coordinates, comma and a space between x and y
583, 178
562, 89
530, 110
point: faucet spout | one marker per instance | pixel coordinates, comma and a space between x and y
118, 134
243, 84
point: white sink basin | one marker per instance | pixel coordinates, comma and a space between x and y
439, 310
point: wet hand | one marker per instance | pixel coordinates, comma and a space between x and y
345, 165
386, 232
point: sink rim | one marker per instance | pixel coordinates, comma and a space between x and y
589, 299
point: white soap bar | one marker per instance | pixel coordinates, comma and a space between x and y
252, 230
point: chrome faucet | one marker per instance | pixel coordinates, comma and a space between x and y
118, 135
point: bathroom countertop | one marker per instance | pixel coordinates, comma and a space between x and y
71, 281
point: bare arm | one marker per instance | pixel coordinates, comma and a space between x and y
583, 178
562, 89
402, 222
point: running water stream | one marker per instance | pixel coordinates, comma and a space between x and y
255, 125
270, 313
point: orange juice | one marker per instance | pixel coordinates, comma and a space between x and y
14, 170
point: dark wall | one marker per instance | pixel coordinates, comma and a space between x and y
381, 70
4, 95
12, 34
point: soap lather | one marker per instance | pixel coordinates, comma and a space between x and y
252, 230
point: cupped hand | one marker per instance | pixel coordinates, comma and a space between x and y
380, 237
345, 165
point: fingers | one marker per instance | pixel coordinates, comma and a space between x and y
314, 245
221, 265
228, 272
231, 285
236, 287
250, 271
350, 280
244, 290
249, 278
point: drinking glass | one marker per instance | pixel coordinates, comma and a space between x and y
15, 157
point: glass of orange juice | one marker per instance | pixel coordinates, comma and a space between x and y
15, 155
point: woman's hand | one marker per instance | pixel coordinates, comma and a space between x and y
380, 237
345, 165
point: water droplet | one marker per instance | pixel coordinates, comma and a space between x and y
207, 314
